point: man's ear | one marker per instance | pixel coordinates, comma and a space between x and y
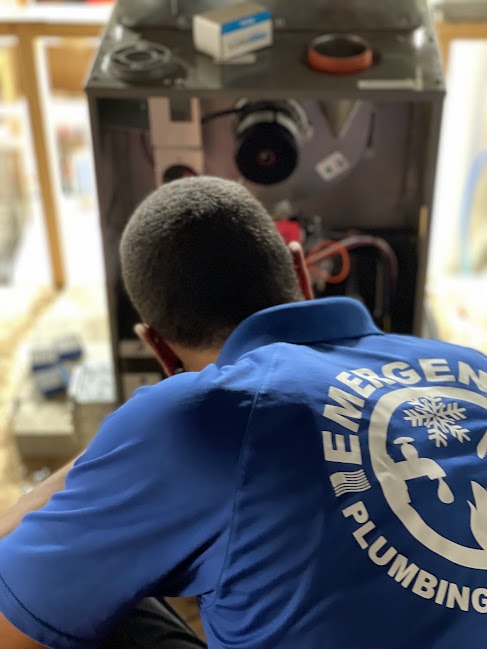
301, 270
168, 360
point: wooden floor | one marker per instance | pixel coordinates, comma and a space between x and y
27, 315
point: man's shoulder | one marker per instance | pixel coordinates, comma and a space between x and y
414, 344
189, 390
191, 403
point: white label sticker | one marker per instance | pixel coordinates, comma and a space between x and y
333, 166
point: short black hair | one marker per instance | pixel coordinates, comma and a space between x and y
201, 254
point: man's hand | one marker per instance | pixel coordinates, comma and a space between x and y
12, 638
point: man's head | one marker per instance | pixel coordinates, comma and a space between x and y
201, 254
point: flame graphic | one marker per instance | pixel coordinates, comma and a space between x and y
478, 514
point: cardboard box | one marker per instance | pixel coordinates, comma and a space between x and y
92, 391
234, 30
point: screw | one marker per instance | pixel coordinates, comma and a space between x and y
182, 22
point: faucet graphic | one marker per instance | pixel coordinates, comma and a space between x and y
482, 447
414, 466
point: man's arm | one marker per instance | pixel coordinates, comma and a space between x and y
41, 494
34, 500
13, 639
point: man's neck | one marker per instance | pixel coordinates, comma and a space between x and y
195, 360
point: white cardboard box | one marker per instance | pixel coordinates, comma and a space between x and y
232, 30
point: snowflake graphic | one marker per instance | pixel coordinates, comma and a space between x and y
439, 419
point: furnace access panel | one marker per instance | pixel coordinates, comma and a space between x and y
345, 162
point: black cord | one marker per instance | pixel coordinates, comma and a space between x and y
220, 113
146, 149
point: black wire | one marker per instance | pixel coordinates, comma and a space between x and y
146, 149
220, 113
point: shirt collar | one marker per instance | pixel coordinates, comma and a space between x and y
313, 321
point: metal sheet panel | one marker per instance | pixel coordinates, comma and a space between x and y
312, 14
405, 64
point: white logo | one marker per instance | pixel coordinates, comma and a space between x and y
439, 419
349, 481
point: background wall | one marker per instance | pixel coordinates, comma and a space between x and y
464, 136
457, 273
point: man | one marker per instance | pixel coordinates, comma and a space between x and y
315, 482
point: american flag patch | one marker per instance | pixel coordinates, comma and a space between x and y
349, 481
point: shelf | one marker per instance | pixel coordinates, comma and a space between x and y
56, 13
12, 109
29, 24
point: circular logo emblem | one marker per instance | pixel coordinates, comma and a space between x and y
443, 421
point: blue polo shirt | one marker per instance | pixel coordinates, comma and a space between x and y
321, 485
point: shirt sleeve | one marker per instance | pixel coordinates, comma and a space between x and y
144, 512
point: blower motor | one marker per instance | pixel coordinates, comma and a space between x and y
269, 137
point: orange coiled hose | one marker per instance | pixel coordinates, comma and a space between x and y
326, 250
